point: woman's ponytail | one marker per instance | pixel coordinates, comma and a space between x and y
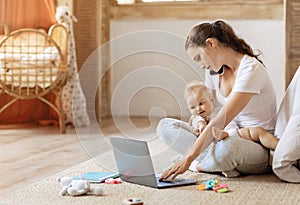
221, 31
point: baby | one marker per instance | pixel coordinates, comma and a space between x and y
199, 100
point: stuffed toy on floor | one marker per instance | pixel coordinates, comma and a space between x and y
78, 187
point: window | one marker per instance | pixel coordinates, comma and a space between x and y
120, 2
197, 9
150, 1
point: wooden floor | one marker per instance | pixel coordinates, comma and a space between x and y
29, 153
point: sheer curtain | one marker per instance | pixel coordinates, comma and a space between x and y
27, 13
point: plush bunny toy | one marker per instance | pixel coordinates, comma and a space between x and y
78, 187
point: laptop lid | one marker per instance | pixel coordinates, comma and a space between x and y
135, 165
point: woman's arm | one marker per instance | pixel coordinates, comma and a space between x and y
229, 111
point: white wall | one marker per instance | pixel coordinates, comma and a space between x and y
150, 66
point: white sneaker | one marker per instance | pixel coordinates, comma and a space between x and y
231, 173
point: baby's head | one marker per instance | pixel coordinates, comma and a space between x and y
199, 99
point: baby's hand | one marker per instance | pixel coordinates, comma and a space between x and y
201, 126
197, 125
194, 130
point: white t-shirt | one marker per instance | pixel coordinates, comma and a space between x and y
251, 77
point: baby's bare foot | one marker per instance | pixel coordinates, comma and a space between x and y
217, 133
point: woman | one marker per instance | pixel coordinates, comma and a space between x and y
240, 82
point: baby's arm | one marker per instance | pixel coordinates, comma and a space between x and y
201, 125
197, 124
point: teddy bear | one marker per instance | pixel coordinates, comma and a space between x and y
77, 187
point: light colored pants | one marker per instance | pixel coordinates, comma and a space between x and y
286, 161
231, 156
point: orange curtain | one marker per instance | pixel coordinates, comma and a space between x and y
24, 111
26, 14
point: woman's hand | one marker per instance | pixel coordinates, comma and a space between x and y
178, 168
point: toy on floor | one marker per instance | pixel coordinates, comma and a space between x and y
221, 188
78, 187
112, 181
133, 201
213, 185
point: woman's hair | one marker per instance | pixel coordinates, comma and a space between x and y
221, 31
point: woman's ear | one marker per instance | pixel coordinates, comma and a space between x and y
211, 42
211, 97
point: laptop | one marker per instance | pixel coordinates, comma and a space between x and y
135, 165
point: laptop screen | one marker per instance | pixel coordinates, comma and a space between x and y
133, 160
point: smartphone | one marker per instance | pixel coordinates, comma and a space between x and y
220, 72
